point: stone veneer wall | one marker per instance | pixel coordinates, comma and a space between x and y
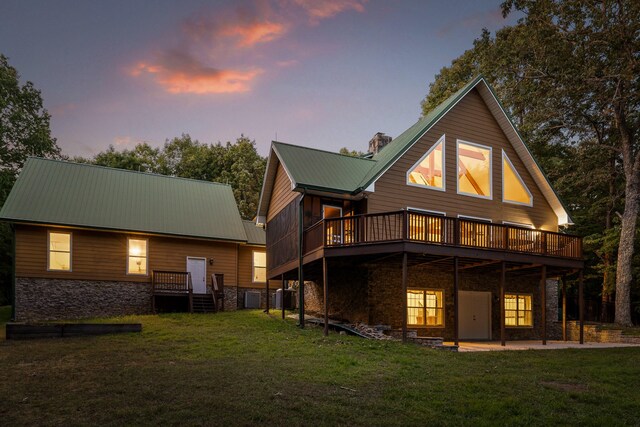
595, 333
54, 299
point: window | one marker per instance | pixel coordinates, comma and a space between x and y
429, 171
513, 188
518, 310
137, 259
59, 251
334, 227
259, 267
474, 170
425, 307
426, 225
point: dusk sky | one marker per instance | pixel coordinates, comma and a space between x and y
324, 74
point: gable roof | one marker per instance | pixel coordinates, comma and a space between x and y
73, 194
312, 170
255, 234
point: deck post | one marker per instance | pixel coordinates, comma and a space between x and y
153, 293
456, 323
543, 302
282, 295
404, 297
325, 280
581, 304
564, 308
267, 286
503, 276
300, 262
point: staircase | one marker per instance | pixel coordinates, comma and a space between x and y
203, 303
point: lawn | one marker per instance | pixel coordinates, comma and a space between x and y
246, 368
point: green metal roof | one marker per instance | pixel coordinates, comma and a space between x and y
74, 194
255, 235
322, 170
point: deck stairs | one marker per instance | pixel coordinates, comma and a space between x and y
203, 303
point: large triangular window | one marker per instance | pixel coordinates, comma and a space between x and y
429, 170
514, 189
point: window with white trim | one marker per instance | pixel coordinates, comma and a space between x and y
137, 259
474, 169
259, 267
59, 251
518, 310
514, 190
429, 170
425, 307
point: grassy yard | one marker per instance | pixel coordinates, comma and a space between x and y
246, 368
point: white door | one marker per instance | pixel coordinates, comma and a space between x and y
474, 311
198, 269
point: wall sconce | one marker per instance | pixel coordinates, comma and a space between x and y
210, 261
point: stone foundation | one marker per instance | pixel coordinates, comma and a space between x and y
595, 333
56, 299
263, 296
230, 298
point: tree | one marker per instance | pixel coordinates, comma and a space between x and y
353, 153
24, 132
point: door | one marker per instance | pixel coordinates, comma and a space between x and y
334, 228
474, 311
198, 269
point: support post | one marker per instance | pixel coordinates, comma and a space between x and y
543, 302
564, 308
503, 276
404, 297
267, 309
300, 262
456, 324
581, 304
284, 283
325, 280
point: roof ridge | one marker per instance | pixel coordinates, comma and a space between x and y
152, 174
322, 151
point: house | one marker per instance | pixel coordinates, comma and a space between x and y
94, 241
450, 230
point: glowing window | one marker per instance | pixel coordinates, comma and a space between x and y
137, 256
429, 171
259, 267
513, 188
59, 251
425, 307
474, 170
518, 310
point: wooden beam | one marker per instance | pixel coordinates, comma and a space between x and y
581, 304
524, 267
456, 324
325, 280
564, 308
543, 302
435, 261
404, 297
480, 264
503, 276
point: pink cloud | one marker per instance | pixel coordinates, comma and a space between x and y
255, 33
318, 10
178, 72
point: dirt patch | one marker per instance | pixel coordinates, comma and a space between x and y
566, 387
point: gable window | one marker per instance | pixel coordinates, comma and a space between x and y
137, 260
259, 267
474, 169
429, 171
426, 225
425, 307
514, 189
518, 310
59, 257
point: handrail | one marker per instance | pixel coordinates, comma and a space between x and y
428, 228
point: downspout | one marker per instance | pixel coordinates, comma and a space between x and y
301, 260
13, 272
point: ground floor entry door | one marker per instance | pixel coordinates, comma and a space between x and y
198, 269
474, 315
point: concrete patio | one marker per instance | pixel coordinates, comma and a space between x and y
469, 346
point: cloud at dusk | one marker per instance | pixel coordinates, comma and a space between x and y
318, 10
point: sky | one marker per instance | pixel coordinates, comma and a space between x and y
324, 74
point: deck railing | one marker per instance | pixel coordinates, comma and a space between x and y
171, 282
438, 230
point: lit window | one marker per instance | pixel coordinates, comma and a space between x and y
518, 310
259, 267
137, 259
59, 251
513, 188
425, 307
474, 170
426, 226
429, 171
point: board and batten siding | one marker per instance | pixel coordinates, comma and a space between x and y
100, 255
470, 120
281, 194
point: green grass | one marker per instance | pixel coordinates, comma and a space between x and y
246, 368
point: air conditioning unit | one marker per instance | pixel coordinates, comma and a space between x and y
251, 299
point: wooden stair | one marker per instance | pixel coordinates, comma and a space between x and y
203, 303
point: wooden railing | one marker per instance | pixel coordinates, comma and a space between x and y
438, 230
171, 283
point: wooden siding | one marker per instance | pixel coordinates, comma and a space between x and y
282, 237
245, 269
98, 255
472, 121
281, 195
